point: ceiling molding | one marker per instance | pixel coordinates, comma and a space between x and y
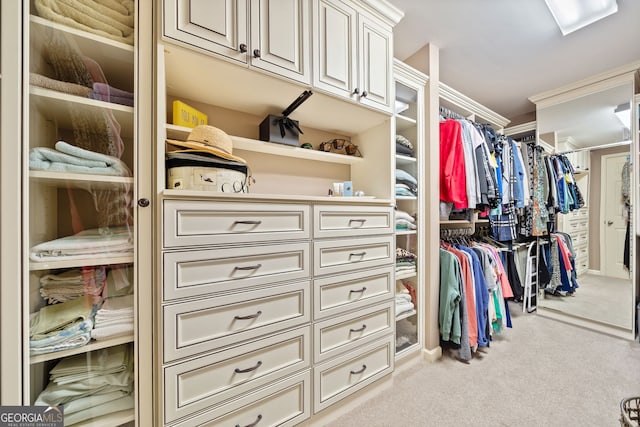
400, 68
586, 86
522, 128
387, 11
472, 107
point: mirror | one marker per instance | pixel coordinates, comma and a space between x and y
592, 126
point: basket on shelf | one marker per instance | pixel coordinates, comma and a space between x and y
630, 412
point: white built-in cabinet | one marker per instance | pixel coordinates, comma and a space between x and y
61, 63
409, 123
351, 51
296, 285
266, 34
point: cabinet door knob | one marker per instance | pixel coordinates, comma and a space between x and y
356, 91
143, 203
256, 53
364, 94
243, 48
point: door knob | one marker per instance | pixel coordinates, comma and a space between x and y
256, 53
609, 222
243, 48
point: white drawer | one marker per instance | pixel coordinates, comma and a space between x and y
580, 238
337, 294
578, 225
343, 333
285, 403
342, 221
212, 379
202, 325
193, 222
581, 252
192, 273
336, 256
346, 374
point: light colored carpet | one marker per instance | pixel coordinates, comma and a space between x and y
600, 298
539, 373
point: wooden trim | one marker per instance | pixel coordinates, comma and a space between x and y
449, 94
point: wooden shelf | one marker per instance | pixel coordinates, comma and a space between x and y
239, 143
109, 420
208, 195
79, 180
405, 315
57, 106
403, 123
115, 58
406, 232
91, 346
52, 265
402, 160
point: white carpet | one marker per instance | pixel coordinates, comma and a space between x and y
539, 373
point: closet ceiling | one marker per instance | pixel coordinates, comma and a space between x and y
501, 52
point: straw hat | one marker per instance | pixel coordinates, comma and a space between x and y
208, 139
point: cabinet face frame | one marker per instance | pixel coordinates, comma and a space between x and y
287, 52
223, 37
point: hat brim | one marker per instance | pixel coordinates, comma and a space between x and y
198, 146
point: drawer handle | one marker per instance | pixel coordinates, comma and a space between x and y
248, 317
244, 371
253, 424
359, 329
247, 268
359, 371
360, 221
357, 291
248, 222
358, 254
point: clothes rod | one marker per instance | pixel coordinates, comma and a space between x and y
597, 147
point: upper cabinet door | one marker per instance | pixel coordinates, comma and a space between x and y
219, 26
334, 47
280, 37
375, 63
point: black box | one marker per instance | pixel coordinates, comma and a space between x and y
271, 131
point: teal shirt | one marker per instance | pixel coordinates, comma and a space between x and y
449, 311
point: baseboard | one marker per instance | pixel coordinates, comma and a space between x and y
433, 354
586, 324
594, 272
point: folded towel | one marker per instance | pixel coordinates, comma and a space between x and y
57, 85
119, 281
106, 361
97, 411
405, 224
77, 339
69, 158
86, 244
106, 332
92, 17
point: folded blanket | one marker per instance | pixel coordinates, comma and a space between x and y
111, 98
59, 86
77, 339
105, 89
86, 244
400, 214
92, 17
73, 283
401, 149
120, 404
405, 225
402, 175
56, 317
69, 158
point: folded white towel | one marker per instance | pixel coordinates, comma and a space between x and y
404, 215
69, 158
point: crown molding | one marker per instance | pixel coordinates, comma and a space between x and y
472, 107
388, 11
588, 85
521, 128
407, 71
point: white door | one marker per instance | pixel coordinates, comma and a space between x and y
280, 37
612, 216
375, 63
334, 46
219, 26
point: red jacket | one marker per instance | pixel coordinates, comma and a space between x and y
453, 181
